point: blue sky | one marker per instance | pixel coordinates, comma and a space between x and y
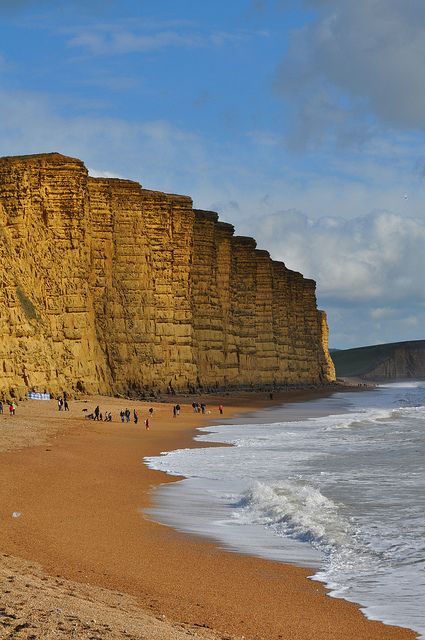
302, 123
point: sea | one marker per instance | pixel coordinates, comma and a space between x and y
336, 484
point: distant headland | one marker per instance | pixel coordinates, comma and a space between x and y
391, 361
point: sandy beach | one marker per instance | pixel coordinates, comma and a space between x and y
80, 560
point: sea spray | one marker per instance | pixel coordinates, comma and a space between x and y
296, 510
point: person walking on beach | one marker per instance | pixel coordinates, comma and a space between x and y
1, 407
60, 404
135, 416
147, 424
65, 405
194, 405
12, 407
177, 409
151, 411
203, 407
220, 408
127, 414
97, 413
122, 416
174, 411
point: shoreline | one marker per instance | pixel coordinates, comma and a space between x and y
80, 499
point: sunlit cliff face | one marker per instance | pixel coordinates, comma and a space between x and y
110, 287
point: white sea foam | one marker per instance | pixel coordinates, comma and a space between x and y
297, 510
344, 493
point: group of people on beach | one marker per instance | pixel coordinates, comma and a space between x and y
126, 415
12, 407
199, 408
63, 403
98, 415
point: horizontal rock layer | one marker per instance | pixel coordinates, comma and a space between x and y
108, 287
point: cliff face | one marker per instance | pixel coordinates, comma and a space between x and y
390, 361
108, 287
405, 362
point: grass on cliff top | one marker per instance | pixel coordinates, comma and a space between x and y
357, 362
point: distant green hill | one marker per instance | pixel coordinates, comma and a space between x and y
396, 360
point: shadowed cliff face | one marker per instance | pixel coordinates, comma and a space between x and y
108, 287
404, 363
391, 361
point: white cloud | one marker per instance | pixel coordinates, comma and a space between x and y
118, 41
354, 60
96, 173
382, 312
377, 259
111, 39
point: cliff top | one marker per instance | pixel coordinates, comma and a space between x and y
201, 214
53, 155
246, 241
56, 158
120, 182
226, 226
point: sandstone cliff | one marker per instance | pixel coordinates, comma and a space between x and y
108, 287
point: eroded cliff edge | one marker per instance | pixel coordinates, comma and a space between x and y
108, 287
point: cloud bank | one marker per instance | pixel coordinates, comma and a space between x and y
373, 259
369, 270
358, 65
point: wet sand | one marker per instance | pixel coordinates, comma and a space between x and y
82, 560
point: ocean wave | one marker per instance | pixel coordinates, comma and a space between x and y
373, 416
358, 419
409, 412
414, 384
297, 510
